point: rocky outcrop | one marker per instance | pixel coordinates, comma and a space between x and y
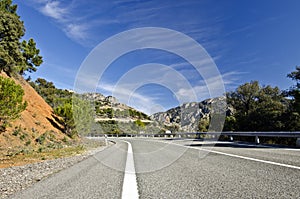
109, 108
94, 96
187, 116
111, 99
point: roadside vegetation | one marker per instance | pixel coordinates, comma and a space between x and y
265, 108
11, 102
29, 130
16, 57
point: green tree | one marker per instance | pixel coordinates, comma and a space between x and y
31, 55
230, 123
11, 101
270, 107
203, 125
15, 56
139, 123
292, 118
66, 112
257, 108
83, 114
294, 91
77, 116
243, 100
53, 96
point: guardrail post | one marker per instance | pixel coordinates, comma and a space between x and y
256, 139
298, 142
106, 141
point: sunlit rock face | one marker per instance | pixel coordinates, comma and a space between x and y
186, 117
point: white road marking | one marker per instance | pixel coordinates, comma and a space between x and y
253, 159
239, 156
242, 144
130, 189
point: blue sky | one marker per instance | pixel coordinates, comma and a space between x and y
248, 40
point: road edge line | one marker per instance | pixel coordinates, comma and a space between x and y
238, 156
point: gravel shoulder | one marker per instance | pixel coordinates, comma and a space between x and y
18, 178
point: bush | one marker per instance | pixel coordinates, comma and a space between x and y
77, 116
41, 139
11, 101
28, 143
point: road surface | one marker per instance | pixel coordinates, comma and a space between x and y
161, 168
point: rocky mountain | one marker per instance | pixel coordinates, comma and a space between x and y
187, 116
109, 108
113, 117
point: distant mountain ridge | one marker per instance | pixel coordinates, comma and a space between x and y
113, 117
186, 117
108, 107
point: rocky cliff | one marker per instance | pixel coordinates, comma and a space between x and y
109, 107
187, 116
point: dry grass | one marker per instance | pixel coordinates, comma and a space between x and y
26, 155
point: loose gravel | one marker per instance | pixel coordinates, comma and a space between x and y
15, 179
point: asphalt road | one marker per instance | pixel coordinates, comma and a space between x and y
179, 169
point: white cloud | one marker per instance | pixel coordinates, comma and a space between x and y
76, 31
53, 9
66, 17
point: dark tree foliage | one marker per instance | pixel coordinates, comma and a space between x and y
257, 108
31, 56
295, 89
15, 56
76, 113
77, 116
293, 114
52, 95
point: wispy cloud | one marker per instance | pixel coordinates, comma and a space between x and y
64, 14
77, 31
200, 88
82, 21
53, 9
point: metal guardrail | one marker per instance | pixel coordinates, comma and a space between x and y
214, 134
250, 134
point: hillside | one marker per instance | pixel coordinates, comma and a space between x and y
108, 114
187, 117
109, 108
35, 128
113, 117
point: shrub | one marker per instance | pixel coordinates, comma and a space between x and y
11, 101
41, 139
28, 143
